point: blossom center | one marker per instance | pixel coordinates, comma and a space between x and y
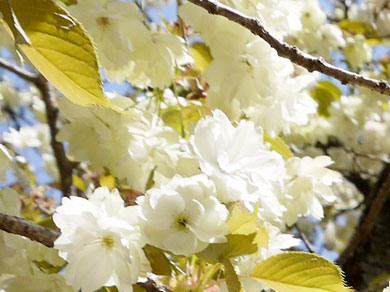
182, 221
108, 241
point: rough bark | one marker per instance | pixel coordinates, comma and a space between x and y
371, 258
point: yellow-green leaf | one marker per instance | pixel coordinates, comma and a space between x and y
47, 267
236, 245
60, 49
78, 183
138, 288
383, 278
202, 56
174, 118
357, 27
300, 272
182, 118
279, 146
158, 261
69, 2
47, 222
107, 181
232, 282
9, 17
262, 237
241, 222
374, 41
324, 93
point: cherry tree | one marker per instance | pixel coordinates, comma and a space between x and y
246, 144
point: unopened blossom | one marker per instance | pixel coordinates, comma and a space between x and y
183, 216
101, 241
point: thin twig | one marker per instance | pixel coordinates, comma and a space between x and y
362, 234
365, 155
22, 73
292, 53
65, 167
305, 240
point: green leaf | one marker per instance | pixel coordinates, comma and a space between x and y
241, 222
182, 118
138, 288
279, 146
109, 289
379, 280
47, 267
107, 181
331, 87
232, 282
48, 222
60, 49
357, 27
262, 237
324, 93
300, 272
69, 2
173, 118
236, 245
158, 261
9, 17
374, 41
78, 183
202, 56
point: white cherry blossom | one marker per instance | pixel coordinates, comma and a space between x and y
184, 215
101, 241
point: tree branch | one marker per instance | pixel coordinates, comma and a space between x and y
20, 226
65, 167
295, 55
362, 234
22, 73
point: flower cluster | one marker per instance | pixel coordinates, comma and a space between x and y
250, 77
101, 240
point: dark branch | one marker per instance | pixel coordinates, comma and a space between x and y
285, 50
65, 167
363, 232
24, 74
20, 226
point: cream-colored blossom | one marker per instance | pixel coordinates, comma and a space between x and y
307, 184
183, 216
239, 162
101, 241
